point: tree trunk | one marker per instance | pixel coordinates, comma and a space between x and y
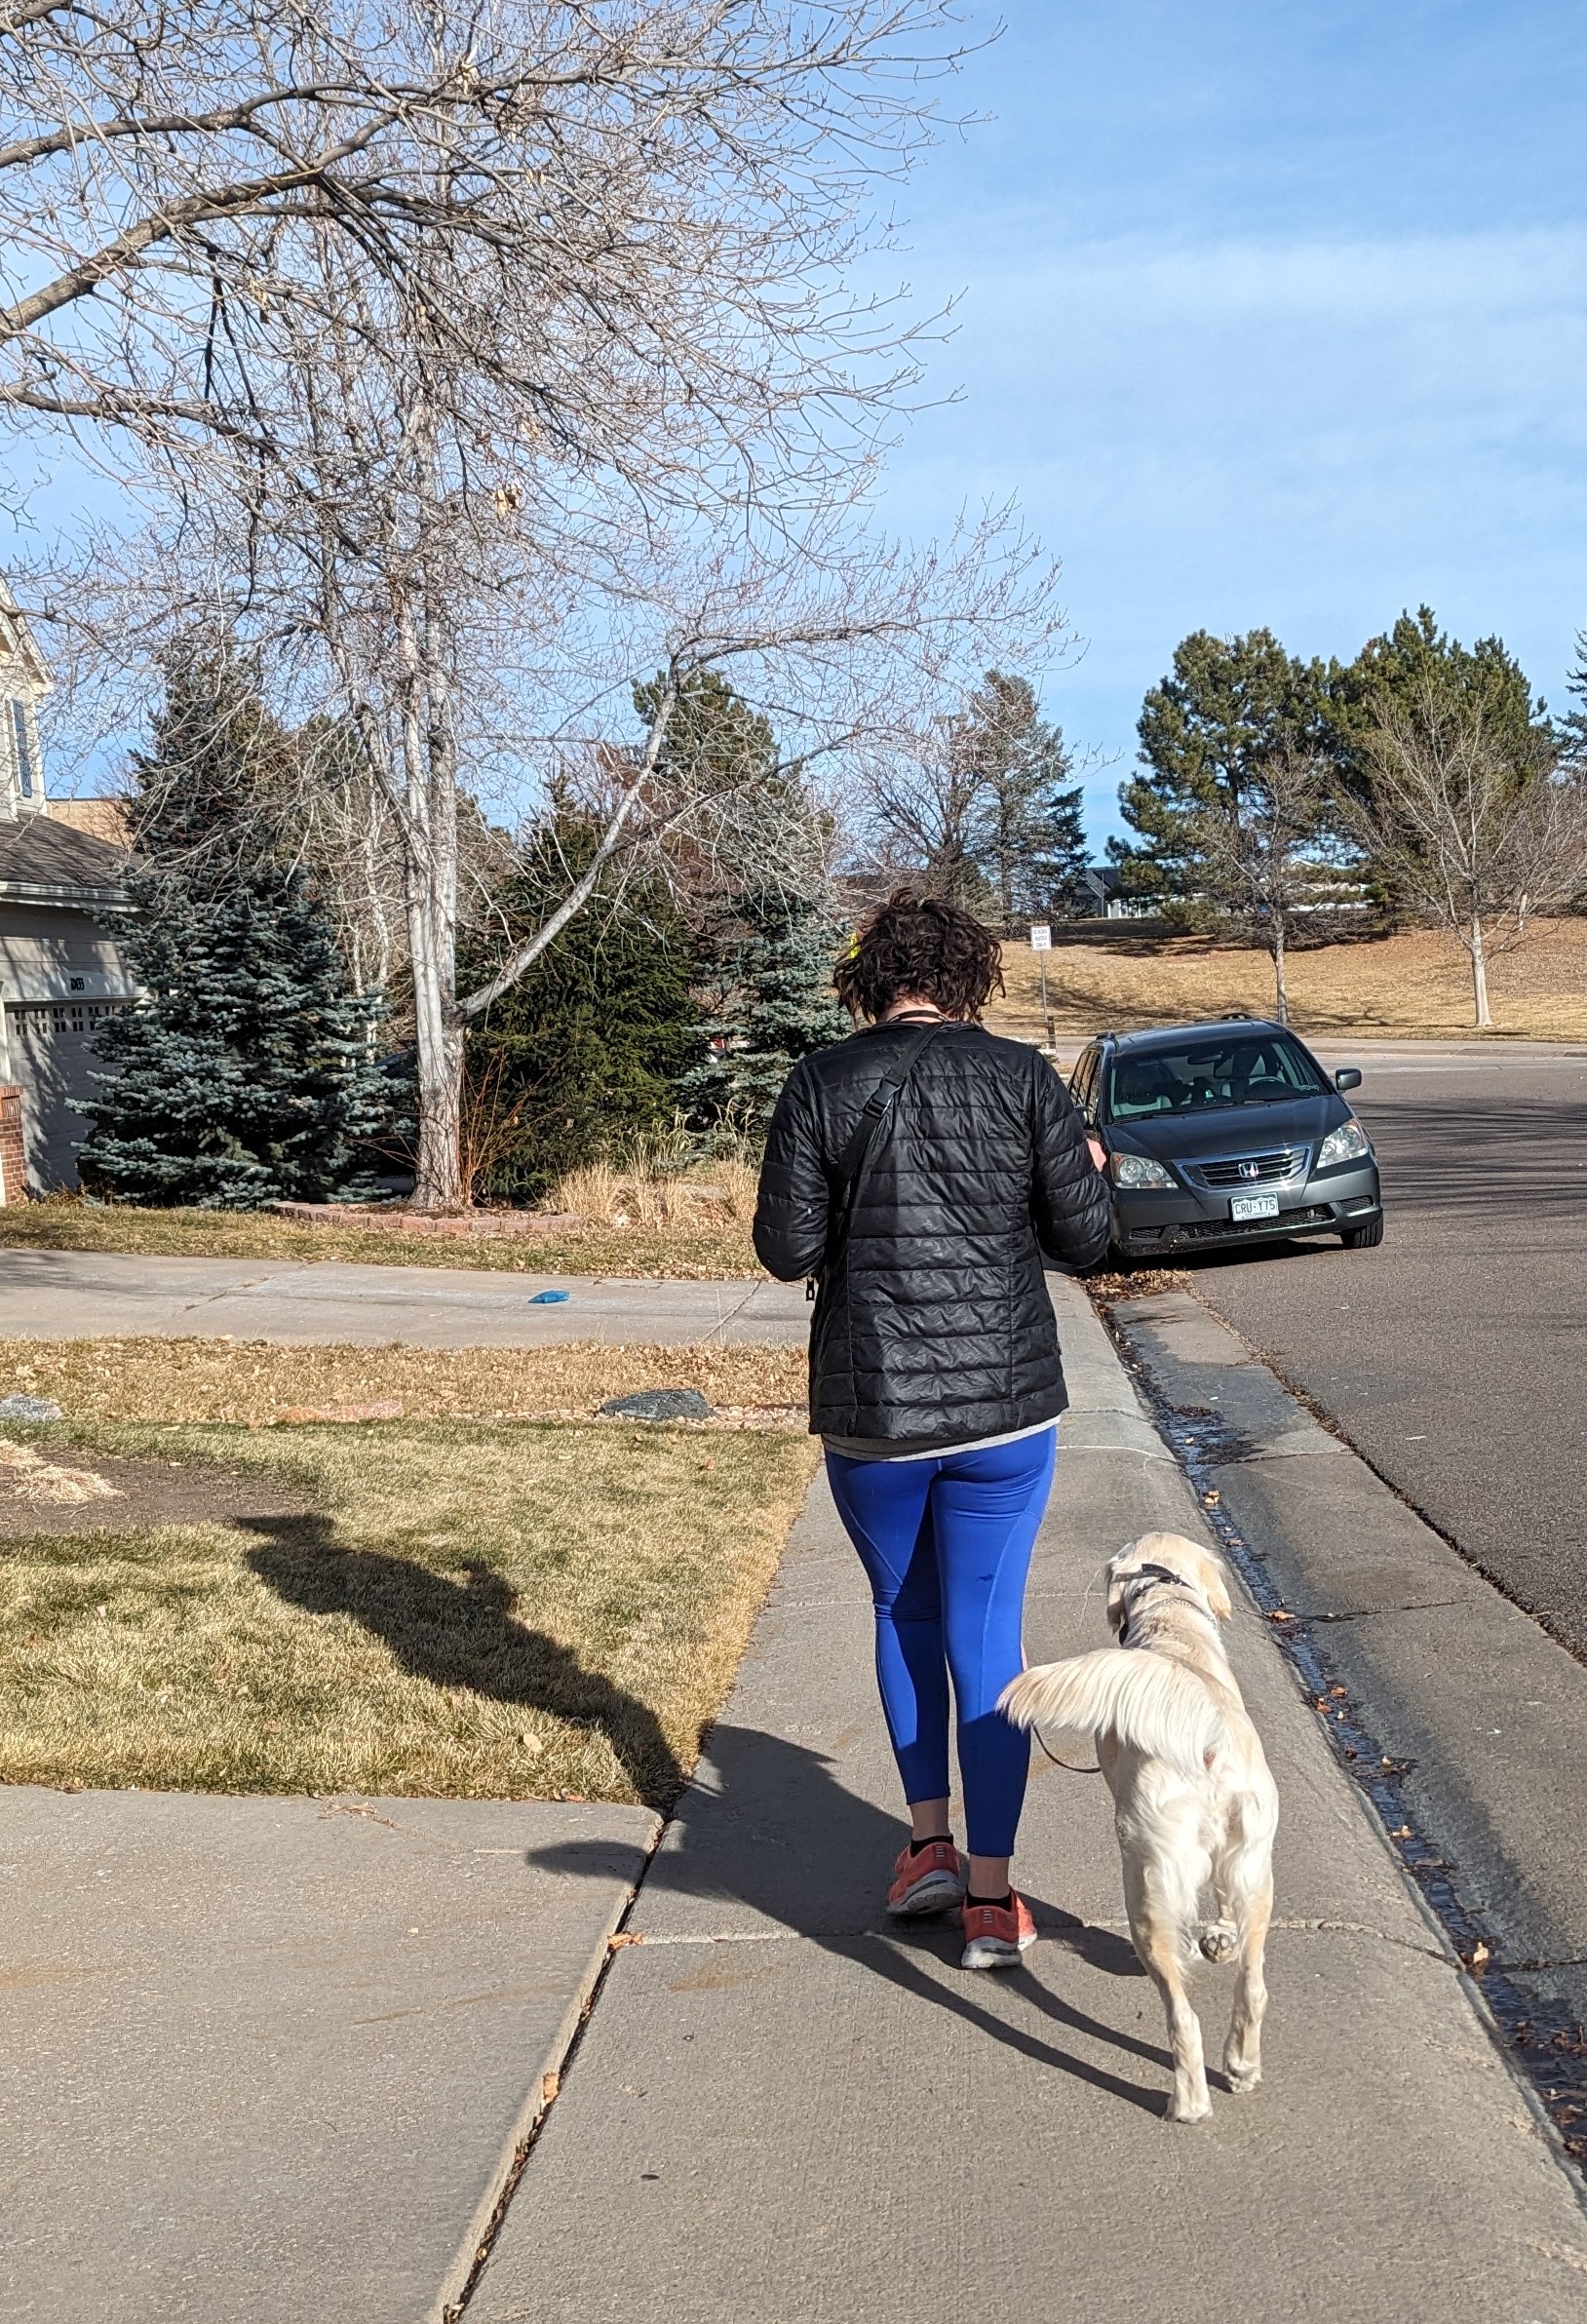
439, 1041
431, 875
1280, 988
1479, 975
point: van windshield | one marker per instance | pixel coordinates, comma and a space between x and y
1262, 1069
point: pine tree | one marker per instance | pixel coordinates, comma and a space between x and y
1027, 842
774, 1004
586, 1051
1230, 705
1574, 725
245, 1074
1415, 663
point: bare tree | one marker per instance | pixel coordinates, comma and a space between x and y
1264, 856
454, 346
411, 637
1470, 834
926, 811
579, 200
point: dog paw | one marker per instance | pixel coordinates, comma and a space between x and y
1241, 2078
1219, 1940
1189, 2110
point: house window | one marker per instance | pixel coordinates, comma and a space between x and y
23, 739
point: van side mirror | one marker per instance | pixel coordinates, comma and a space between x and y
1348, 1078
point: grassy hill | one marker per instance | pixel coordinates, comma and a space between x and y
1388, 986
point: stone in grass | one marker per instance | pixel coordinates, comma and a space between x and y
659, 1403
29, 1408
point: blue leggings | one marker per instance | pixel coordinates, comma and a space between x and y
946, 1544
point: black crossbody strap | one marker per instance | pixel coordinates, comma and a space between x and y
855, 1159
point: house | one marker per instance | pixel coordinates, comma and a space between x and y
1100, 884
60, 878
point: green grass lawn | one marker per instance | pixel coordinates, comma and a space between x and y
444, 1608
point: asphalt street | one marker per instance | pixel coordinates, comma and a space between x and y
1454, 1356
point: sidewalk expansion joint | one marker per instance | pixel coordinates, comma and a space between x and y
550, 2085
1545, 2049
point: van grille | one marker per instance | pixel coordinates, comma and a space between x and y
1250, 1170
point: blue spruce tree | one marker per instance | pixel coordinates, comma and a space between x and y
246, 1073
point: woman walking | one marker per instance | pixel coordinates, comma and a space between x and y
918, 1171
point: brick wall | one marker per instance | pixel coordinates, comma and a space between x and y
13, 1158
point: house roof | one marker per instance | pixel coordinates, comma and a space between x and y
48, 862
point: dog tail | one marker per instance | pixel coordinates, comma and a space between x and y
1144, 1700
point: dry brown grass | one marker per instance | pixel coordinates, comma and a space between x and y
460, 1609
249, 1381
601, 1194
708, 1245
1395, 986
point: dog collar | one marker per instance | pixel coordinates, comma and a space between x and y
1153, 1576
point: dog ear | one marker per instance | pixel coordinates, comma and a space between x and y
1118, 1575
1210, 1574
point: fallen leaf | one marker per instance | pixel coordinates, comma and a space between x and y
1279, 1614
550, 2084
628, 1936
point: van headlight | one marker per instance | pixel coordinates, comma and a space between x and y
1133, 1169
1349, 1142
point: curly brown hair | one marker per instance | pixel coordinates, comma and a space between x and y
920, 944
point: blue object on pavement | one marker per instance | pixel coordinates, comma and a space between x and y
548, 1298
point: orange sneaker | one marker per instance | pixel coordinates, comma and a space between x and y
996, 1935
926, 1881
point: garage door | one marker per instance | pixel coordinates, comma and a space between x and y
51, 1056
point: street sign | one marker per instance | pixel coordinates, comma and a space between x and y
1041, 939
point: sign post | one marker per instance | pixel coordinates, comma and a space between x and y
1042, 944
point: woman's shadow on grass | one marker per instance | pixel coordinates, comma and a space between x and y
462, 1632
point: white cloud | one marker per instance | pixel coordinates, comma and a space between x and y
1308, 434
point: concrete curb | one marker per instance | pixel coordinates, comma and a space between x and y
1481, 1713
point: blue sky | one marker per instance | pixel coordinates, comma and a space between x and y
1271, 314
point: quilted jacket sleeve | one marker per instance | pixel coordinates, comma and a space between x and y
1069, 1199
790, 1210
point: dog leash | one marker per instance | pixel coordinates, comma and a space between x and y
1067, 1765
1150, 1576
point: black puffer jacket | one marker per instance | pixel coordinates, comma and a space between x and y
935, 1326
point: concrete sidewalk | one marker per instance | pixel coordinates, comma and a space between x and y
784, 2112
268, 2060
80, 1294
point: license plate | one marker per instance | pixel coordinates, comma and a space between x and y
1254, 1206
